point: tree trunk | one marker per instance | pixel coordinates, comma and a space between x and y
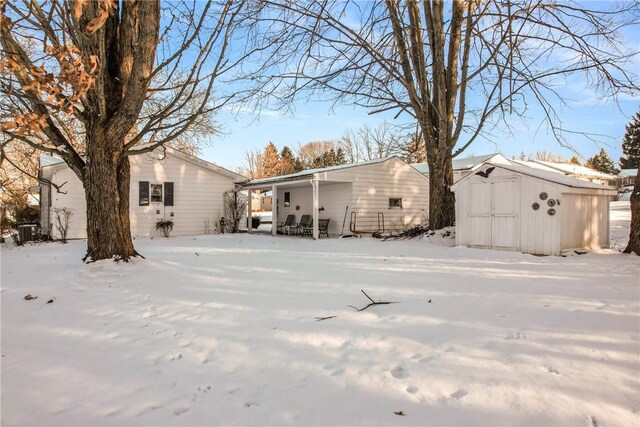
106, 183
634, 231
442, 209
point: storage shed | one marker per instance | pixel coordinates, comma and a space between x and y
530, 210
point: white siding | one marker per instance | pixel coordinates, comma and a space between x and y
198, 194
581, 218
72, 198
334, 198
585, 221
373, 185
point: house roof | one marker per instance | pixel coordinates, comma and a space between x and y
311, 172
574, 169
555, 177
236, 177
625, 173
464, 163
46, 160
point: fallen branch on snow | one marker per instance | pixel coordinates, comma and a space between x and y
371, 303
320, 319
417, 231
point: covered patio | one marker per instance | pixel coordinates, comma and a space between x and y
299, 195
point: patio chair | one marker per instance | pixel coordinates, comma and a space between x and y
305, 222
285, 226
323, 228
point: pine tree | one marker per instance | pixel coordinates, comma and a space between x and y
271, 161
287, 160
631, 144
341, 158
602, 162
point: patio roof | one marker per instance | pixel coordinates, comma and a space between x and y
306, 174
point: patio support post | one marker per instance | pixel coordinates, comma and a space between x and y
316, 205
274, 210
249, 213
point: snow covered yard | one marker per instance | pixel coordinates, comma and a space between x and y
222, 330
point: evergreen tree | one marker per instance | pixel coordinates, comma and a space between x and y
631, 144
270, 161
602, 162
287, 160
340, 158
575, 161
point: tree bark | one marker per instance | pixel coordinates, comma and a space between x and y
634, 231
442, 211
107, 180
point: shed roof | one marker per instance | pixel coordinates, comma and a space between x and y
310, 172
544, 175
574, 169
464, 163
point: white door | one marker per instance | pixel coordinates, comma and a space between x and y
479, 214
504, 216
493, 214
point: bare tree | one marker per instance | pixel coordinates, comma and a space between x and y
456, 68
126, 76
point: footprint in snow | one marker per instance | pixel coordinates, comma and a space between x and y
459, 394
399, 372
179, 410
412, 389
553, 370
337, 372
250, 404
516, 336
175, 356
201, 390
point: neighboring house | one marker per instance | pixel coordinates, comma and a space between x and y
627, 176
385, 186
571, 169
173, 185
462, 166
530, 210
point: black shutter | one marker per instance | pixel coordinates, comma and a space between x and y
168, 193
143, 193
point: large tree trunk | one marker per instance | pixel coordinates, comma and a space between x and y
634, 232
442, 211
106, 183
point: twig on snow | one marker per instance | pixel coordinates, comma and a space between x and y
371, 303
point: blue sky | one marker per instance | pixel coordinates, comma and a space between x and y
321, 120
314, 121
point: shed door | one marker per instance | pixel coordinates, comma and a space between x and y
479, 214
493, 214
504, 218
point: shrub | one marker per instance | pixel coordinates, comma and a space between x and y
62, 217
165, 226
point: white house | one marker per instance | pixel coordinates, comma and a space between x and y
530, 210
462, 166
169, 184
366, 193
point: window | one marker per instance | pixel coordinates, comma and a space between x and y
395, 203
156, 193
287, 199
143, 193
